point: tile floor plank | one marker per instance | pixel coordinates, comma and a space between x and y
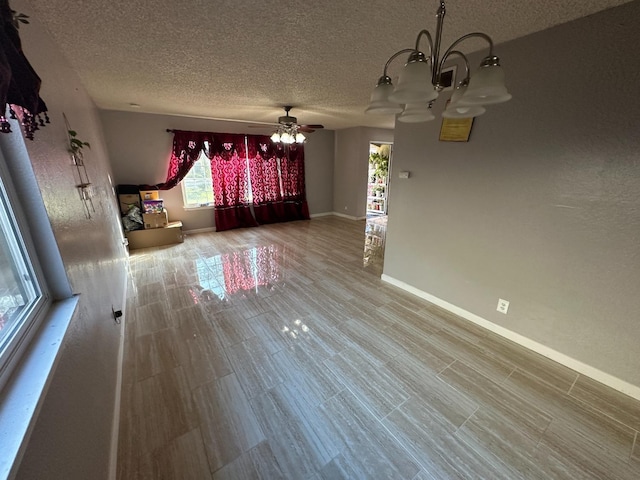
278, 353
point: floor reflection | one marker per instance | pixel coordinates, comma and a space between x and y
224, 275
375, 235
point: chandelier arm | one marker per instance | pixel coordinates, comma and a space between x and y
396, 55
425, 33
460, 40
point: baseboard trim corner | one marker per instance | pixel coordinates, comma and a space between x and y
580, 367
200, 230
350, 217
323, 214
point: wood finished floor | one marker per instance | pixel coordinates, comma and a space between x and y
273, 352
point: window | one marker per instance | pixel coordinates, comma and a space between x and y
22, 297
197, 186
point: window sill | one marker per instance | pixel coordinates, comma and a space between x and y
21, 397
199, 207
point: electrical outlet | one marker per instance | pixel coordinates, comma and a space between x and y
503, 306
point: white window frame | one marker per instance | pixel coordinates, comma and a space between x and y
201, 158
27, 373
23, 251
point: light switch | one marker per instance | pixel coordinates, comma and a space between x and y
404, 174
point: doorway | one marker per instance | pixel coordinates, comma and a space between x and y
378, 178
377, 205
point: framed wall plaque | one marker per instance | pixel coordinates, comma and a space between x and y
456, 129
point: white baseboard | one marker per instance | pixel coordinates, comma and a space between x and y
580, 367
200, 230
115, 428
323, 214
350, 217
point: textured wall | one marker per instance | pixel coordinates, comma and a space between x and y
542, 206
72, 436
351, 168
139, 147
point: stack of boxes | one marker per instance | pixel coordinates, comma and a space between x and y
154, 215
157, 230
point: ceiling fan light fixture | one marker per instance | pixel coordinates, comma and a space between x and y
289, 132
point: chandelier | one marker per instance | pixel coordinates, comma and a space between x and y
420, 81
287, 134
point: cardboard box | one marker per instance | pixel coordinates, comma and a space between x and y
152, 206
156, 237
155, 220
150, 194
126, 200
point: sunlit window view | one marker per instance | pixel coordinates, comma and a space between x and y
197, 186
18, 291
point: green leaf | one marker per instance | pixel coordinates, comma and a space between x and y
73, 133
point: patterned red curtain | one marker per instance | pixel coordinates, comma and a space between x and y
294, 193
19, 83
187, 147
230, 182
265, 180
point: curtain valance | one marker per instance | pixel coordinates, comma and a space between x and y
19, 83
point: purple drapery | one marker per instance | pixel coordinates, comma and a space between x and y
19, 83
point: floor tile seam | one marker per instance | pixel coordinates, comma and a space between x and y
624, 397
204, 448
455, 432
261, 392
399, 442
490, 405
573, 384
502, 465
593, 408
341, 379
604, 455
591, 446
633, 446
528, 375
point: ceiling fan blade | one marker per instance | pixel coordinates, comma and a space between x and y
310, 128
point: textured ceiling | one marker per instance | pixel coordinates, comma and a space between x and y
244, 59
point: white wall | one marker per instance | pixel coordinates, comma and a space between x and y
542, 206
72, 435
351, 168
139, 148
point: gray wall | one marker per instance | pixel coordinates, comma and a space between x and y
542, 206
139, 147
351, 168
72, 435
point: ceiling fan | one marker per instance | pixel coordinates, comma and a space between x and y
288, 121
288, 131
